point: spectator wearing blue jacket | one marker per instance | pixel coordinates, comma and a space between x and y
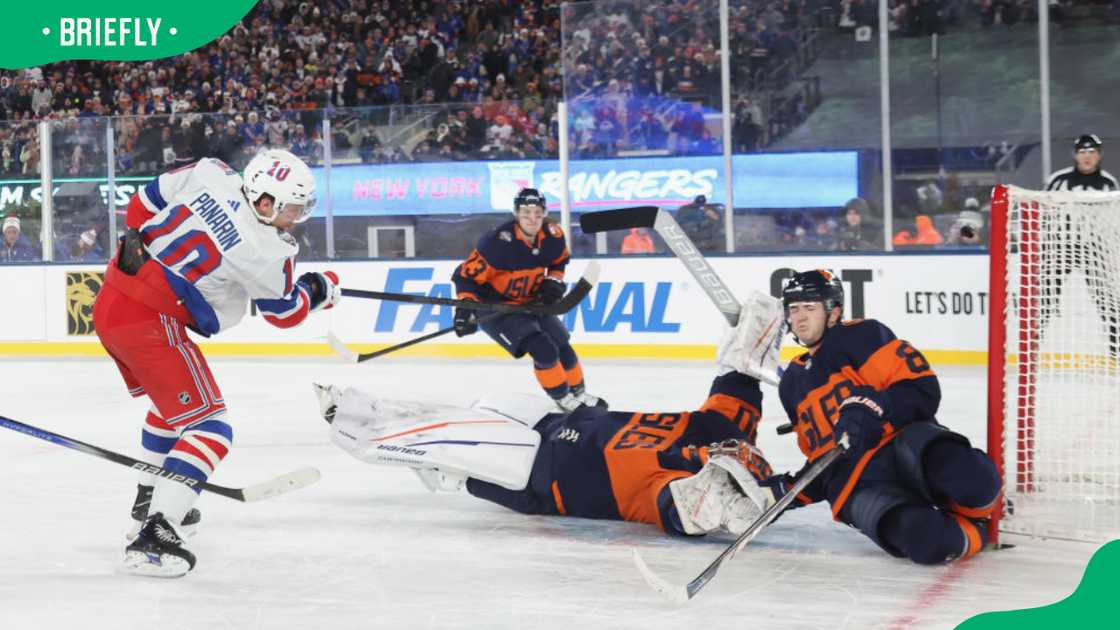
16, 247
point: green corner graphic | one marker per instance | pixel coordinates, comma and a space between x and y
120, 30
1090, 606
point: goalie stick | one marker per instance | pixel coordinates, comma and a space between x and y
664, 224
568, 302
265, 490
685, 592
686, 251
565, 304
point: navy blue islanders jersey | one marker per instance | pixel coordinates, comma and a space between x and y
508, 266
596, 463
855, 356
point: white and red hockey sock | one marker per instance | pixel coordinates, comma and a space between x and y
196, 454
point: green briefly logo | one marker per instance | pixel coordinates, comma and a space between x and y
1092, 605
121, 30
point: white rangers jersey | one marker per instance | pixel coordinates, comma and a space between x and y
216, 255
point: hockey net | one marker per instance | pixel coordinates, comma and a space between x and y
1054, 381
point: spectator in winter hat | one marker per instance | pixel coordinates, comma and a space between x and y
857, 233
86, 249
16, 247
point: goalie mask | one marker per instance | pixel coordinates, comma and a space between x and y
284, 177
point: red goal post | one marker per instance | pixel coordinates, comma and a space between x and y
1053, 378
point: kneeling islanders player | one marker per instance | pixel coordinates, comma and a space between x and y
914, 487
689, 473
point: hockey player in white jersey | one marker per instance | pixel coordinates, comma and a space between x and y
202, 241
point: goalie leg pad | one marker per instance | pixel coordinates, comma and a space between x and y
458, 442
527, 409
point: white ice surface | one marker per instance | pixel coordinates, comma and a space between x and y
368, 547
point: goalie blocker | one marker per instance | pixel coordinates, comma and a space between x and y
688, 473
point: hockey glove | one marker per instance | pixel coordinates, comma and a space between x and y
323, 289
550, 291
466, 322
861, 418
132, 255
777, 486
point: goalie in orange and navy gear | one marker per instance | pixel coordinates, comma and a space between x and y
914, 487
689, 473
523, 261
595, 463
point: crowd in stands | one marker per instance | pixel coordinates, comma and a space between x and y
485, 76
415, 80
643, 78
915, 18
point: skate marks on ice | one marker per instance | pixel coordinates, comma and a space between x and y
369, 547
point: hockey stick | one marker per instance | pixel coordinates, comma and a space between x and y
565, 304
683, 593
665, 225
349, 356
265, 490
568, 302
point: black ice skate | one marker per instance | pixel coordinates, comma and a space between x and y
140, 514
158, 551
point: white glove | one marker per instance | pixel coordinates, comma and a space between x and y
752, 346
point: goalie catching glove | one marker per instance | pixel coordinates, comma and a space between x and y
323, 289
725, 495
751, 346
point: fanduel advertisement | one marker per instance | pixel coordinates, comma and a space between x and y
611, 304
785, 180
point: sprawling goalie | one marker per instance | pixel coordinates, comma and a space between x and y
689, 473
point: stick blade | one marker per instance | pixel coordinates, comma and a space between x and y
281, 485
590, 273
625, 218
675, 594
346, 354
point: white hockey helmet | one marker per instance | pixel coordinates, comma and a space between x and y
282, 176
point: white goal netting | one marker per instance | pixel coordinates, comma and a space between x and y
1061, 387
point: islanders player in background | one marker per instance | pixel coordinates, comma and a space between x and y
917, 489
523, 261
689, 473
202, 241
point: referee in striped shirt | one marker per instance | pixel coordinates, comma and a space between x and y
1087, 248
1086, 172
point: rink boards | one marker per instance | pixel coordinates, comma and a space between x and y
643, 307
